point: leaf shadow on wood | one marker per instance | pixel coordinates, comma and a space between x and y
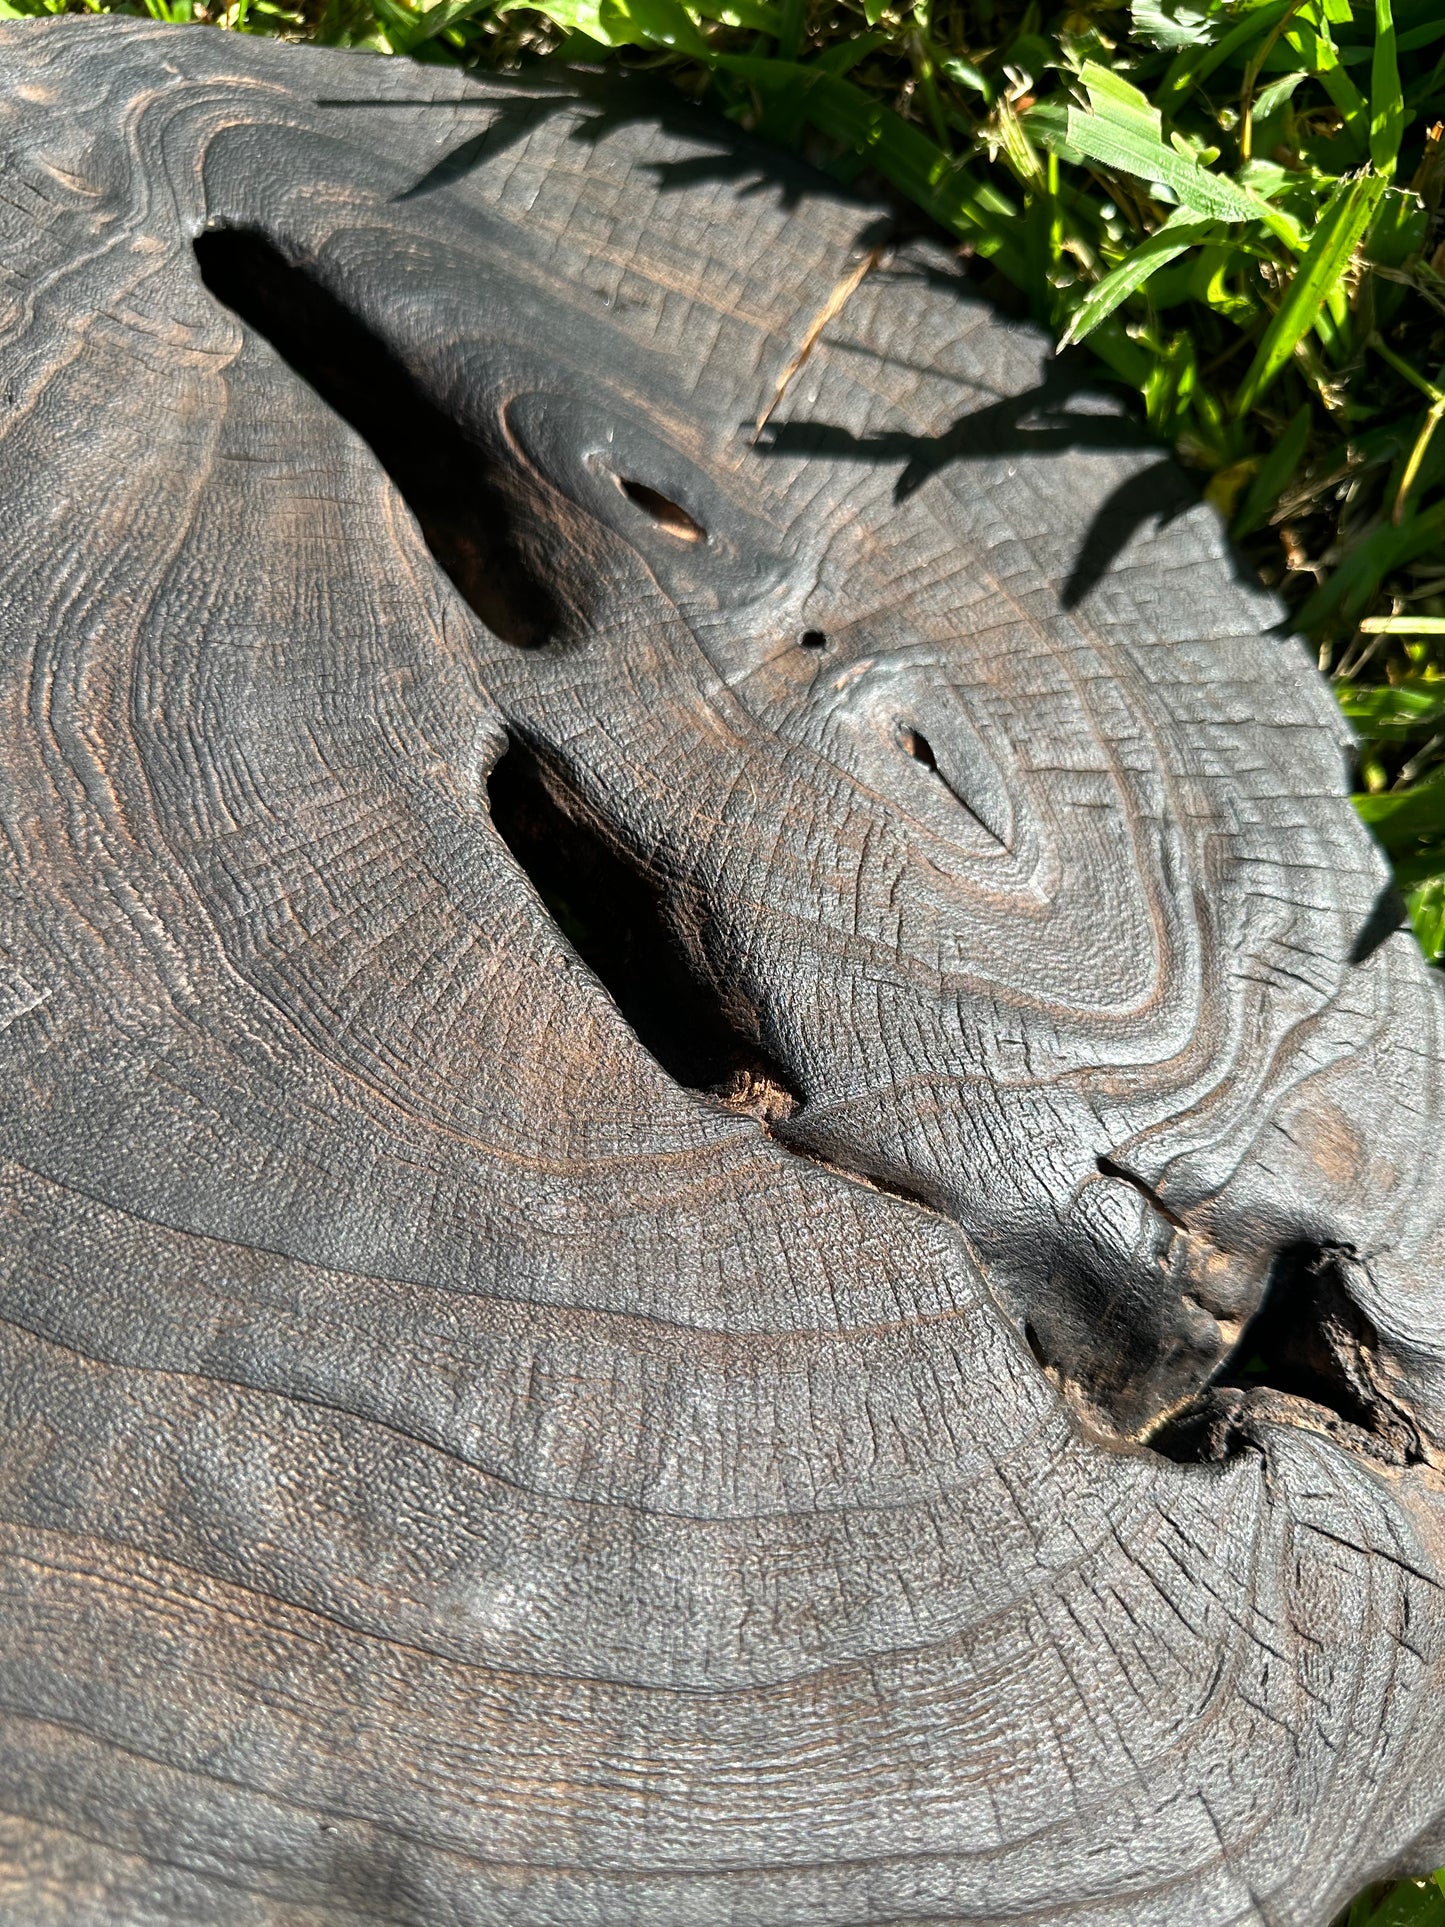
1037, 422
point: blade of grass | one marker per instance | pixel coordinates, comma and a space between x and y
1246, 92
643, 23
963, 73
1392, 707
1182, 231
1310, 37
1193, 64
1347, 214
1412, 1903
1275, 95
1121, 130
1426, 905
1349, 589
1416, 458
652, 23
1387, 103
1275, 473
847, 53
446, 13
1404, 819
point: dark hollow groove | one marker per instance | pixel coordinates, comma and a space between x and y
446, 480
1308, 1341
1306, 1338
914, 743
1107, 1168
613, 914
667, 514
918, 747
1031, 1338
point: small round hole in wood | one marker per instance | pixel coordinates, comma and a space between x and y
813, 639
667, 514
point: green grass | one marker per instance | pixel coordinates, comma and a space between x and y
1407, 1903
1234, 205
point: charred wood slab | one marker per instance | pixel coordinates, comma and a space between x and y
722, 1183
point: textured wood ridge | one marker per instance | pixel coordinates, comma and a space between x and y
639, 1098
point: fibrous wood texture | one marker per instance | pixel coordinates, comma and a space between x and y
722, 1193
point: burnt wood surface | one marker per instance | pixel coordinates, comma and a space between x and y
721, 1175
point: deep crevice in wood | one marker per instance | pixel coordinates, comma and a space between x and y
918, 747
613, 911
914, 743
1031, 1339
667, 514
1107, 1168
447, 481
1305, 1357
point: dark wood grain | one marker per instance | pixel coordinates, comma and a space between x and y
722, 1203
